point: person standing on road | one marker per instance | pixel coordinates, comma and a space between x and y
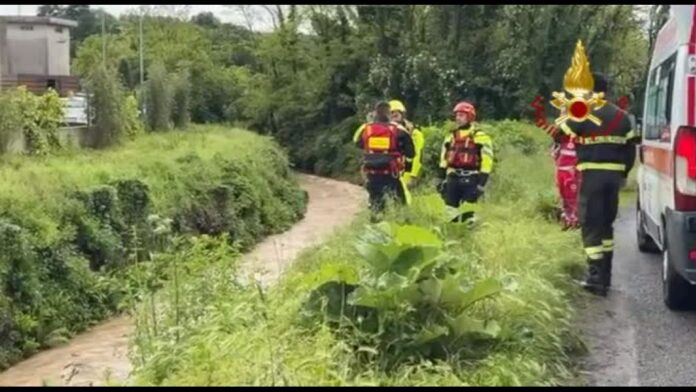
387, 152
605, 145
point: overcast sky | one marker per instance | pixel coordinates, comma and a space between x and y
222, 12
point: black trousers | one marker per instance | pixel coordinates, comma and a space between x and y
460, 189
382, 186
599, 205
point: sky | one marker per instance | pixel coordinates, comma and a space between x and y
222, 12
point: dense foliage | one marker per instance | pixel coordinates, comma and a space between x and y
70, 226
311, 80
414, 300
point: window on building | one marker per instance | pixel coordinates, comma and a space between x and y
59, 29
51, 83
26, 27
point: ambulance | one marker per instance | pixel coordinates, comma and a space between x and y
666, 205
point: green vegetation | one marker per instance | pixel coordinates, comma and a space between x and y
72, 224
36, 117
310, 81
414, 301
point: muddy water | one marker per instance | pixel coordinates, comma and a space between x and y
101, 353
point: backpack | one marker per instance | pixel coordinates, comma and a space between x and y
381, 149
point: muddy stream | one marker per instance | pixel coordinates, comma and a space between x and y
91, 357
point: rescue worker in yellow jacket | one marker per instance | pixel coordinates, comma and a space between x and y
398, 115
388, 152
466, 161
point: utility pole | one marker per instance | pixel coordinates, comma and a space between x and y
143, 95
142, 75
103, 37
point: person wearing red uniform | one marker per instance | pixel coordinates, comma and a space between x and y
567, 176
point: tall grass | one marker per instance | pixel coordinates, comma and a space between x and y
72, 224
246, 336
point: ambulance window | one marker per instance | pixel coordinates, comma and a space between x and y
670, 89
659, 96
650, 126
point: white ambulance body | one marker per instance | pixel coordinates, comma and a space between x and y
666, 208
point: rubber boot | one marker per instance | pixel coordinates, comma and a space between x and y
595, 280
608, 256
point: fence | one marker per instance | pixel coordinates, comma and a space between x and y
79, 136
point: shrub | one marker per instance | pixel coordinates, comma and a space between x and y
10, 119
131, 116
159, 98
36, 116
181, 87
106, 106
71, 227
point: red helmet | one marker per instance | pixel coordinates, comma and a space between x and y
465, 107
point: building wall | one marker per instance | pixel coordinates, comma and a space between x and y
58, 51
41, 50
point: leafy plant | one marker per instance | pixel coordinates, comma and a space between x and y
82, 233
412, 299
36, 116
132, 123
159, 98
106, 106
181, 99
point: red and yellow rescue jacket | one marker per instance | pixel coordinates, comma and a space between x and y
387, 148
467, 149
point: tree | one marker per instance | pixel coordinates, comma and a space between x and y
181, 97
119, 48
206, 19
159, 98
54, 10
106, 103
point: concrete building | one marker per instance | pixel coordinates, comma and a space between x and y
35, 52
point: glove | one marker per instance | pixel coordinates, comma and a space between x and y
483, 179
442, 186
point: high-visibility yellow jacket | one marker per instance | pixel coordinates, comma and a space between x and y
418, 144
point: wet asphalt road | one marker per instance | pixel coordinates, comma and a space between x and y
634, 339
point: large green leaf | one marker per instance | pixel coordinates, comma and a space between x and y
336, 272
414, 257
391, 291
416, 235
481, 290
466, 325
379, 256
430, 333
452, 291
431, 289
